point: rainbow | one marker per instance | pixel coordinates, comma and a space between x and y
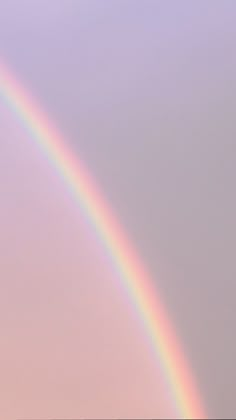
134, 277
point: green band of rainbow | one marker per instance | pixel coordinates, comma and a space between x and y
134, 277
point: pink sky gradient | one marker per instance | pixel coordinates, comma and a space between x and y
70, 343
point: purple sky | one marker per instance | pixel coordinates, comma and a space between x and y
145, 93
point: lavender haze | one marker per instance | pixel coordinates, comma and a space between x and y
145, 93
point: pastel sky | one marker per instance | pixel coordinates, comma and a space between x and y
145, 93
71, 346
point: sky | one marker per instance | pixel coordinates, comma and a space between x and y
144, 92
